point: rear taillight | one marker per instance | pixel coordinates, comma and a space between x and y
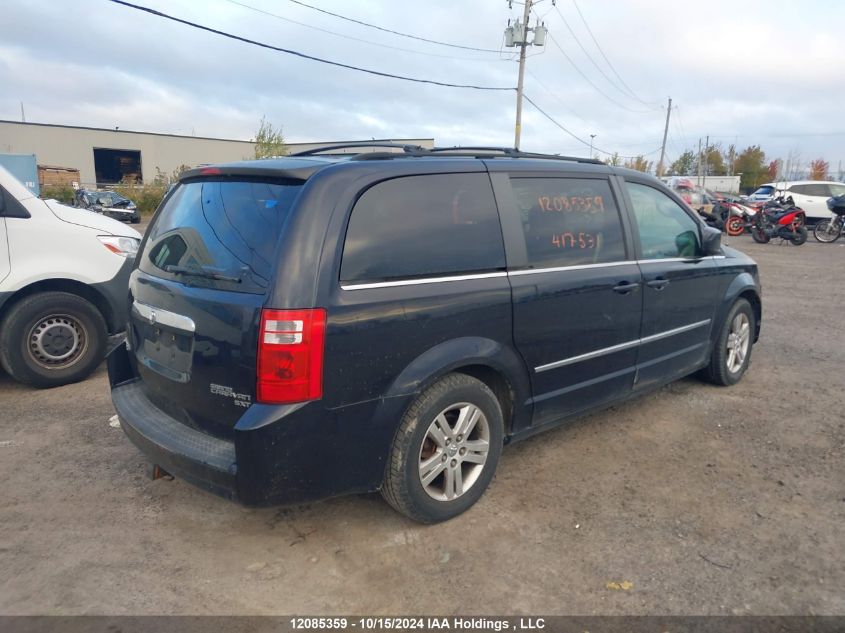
290, 355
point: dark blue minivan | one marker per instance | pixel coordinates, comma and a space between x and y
329, 324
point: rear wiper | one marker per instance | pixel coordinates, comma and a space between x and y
200, 272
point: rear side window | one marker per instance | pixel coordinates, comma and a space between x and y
569, 221
811, 190
423, 226
220, 234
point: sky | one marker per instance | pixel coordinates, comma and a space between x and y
745, 72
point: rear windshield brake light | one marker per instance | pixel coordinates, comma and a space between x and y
290, 355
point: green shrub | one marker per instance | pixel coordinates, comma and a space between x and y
62, 193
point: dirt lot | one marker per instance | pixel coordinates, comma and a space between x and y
694, 499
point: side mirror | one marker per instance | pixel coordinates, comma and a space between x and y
711, 240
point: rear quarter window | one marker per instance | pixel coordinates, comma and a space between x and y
423, 226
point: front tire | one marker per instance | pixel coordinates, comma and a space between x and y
760, 236
445, 451
732, 348
51, 339
824, 231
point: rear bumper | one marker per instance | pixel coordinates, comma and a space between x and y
199, 458
280, 454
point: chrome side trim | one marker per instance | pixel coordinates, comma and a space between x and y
672, 332
537, 271
167, 318
419, 282
691, 260
587, 356
511, 273
621, 346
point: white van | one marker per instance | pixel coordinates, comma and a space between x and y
63, 285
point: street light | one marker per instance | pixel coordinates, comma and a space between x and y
592, 136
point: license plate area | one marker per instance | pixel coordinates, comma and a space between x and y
164, 342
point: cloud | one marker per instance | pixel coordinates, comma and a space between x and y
735, 71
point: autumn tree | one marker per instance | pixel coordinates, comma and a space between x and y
269, 141
773, 169
613, 160
639, 163
818, 169
683, 165
751, 163
712, 161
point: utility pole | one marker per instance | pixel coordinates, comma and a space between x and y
517, 35
698, 171
23, 115
706, 145
592, 136
663, 146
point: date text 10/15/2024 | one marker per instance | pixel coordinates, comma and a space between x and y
417, 623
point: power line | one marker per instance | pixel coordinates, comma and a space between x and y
303, 55
598, 46
354, 39
399, 33
589, 81
554, 96
590, 57
577, 138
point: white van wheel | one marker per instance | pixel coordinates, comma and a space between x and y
52, 338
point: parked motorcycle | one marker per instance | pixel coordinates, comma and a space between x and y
731, 217
829, 230
779, 218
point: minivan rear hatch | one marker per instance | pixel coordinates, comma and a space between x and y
205, 269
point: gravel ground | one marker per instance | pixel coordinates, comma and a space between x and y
692, 500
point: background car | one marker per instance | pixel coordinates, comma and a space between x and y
108, 203
810, 195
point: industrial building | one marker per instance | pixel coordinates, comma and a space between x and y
108, 156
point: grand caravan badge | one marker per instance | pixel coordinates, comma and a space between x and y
240, 399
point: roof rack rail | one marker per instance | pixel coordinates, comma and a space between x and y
330, 148
515, 153
469, 152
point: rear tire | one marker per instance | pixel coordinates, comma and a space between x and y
823, 232
51, 339
802, 234
732, 348
734, 226
445, 451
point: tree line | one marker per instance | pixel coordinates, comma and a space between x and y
752, 163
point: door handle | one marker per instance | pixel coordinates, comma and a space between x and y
658, 284
625, 287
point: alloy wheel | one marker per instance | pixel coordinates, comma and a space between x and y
739, 340
454, 451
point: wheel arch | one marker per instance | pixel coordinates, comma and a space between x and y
743, 287
496, 365
70, 286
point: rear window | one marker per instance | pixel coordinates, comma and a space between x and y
764, 191
423, 226
220, 233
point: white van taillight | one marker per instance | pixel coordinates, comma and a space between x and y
290, 355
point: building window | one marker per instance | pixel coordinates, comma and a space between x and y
117, 165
